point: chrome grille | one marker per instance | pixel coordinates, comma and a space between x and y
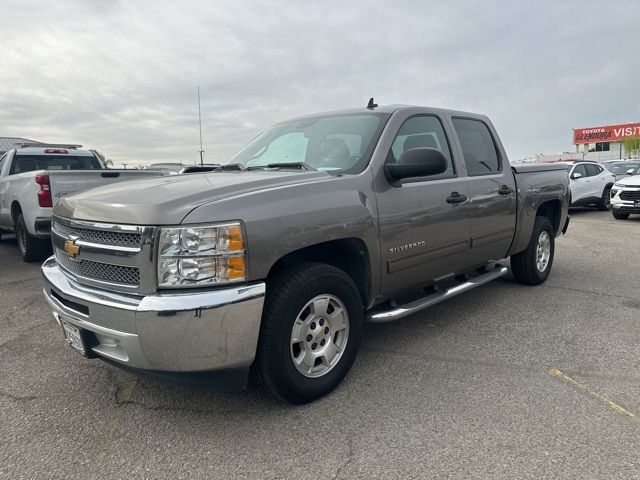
104, 237
117, 257
103, 272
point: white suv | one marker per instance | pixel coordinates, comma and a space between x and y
590, 184
625, 196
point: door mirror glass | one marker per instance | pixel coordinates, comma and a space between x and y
576, 175
630, 171
417, 162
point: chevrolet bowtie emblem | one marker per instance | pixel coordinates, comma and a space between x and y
71, 248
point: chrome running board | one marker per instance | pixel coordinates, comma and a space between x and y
400, 311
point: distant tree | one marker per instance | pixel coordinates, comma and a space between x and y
632, 145
107, 162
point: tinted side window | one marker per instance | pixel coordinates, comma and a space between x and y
581, 170
420, 132
478, 148
29, 163
592, 170
2, 161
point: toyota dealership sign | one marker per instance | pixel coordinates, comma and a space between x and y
610, 133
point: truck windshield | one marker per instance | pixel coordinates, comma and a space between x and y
29, 163
340, 143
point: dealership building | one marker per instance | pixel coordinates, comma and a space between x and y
604, 143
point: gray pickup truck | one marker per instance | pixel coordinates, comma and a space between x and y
274, 262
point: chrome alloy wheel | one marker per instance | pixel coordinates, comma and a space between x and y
543, 251
319, 336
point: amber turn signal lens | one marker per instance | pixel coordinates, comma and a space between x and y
235, 238
236, 268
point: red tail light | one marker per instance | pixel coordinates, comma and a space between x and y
44, 195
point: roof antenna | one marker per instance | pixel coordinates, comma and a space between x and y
201, 151
371, 105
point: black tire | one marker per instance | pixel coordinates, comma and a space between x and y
524, 264
604, 204
31, 248
287, 294
619, 216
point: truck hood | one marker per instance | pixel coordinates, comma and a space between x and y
633, 181
167, 200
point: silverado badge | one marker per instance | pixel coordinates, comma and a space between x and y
71, 248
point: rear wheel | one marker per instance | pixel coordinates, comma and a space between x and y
619, 215
310, 334
31, 248
605, 201
532, 266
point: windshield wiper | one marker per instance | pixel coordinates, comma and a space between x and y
232, 166
298, 165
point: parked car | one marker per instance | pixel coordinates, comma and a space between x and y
34, 177
590, 184
276, 260
625, 196
621, 169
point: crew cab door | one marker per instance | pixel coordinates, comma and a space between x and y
424, 225
492, 195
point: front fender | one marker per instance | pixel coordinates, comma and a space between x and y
282, 220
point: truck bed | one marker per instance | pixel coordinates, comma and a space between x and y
538, 183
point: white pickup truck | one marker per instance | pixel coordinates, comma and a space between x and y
33, 178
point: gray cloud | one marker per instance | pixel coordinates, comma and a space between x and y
122, 76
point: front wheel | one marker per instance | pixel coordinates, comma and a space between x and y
532, 266
310, 334
605, 201
619, 215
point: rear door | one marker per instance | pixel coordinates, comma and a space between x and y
492, 197
423, 235
597, 179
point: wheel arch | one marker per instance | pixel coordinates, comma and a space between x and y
350, 255
551, 209
15, 209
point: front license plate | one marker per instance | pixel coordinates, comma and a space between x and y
73, 336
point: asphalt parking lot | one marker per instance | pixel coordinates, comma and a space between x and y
506, 381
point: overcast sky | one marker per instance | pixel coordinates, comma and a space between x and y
121, 76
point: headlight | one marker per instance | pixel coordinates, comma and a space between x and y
619, 185
197, 255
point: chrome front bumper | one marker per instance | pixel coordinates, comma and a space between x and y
187, 332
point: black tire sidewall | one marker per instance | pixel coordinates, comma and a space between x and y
605, 201
291, 384
542, 224
21, 236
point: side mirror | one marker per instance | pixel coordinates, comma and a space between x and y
576, 176
630, 171
416, 162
